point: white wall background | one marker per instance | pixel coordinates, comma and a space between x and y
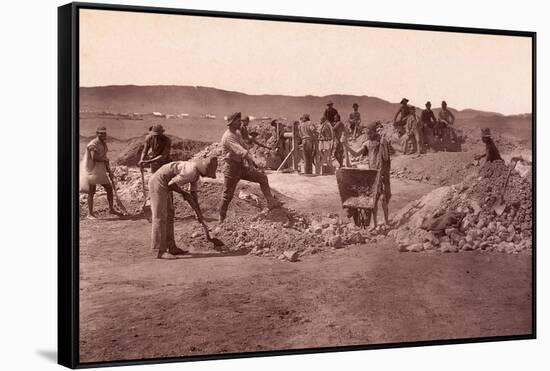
28, 95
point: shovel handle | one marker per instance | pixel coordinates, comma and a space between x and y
507, 178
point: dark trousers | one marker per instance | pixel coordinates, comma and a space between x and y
339, 152
308, 150
233, 173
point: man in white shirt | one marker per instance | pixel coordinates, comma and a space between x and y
237, 160
169, 178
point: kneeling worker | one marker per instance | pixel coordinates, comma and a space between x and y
169, 178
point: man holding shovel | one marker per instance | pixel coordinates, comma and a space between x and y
169, 178
159, 145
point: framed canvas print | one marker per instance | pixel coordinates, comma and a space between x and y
236, 185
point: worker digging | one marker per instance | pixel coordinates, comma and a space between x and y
359, 155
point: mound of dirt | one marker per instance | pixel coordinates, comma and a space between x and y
265, 136
467, 220
181, 150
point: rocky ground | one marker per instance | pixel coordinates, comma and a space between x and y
303, 275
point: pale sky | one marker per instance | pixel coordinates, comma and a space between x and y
486, 72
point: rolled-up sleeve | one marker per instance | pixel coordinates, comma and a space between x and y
231, 144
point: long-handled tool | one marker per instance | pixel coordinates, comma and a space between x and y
118, 202
500, 206
191, 200
143, 188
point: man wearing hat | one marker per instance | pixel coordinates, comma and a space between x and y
330, 113
491, 150
98, 171
355, 121
307, 133
427, 116
378, 149
446, 120
403, 111
173, 177
159, 145
236, 157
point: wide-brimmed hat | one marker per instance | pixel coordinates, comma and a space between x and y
233, 117
330, 103
157, 129
305, 117
207, 167
101, 130
404, 101
246, 118
428, 103
485, 132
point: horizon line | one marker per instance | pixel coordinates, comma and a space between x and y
295, 96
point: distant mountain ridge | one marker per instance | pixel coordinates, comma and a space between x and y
198, 101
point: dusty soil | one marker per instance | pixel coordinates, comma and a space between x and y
135, 306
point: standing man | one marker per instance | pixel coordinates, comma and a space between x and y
355, 121
235, 154
378, 149
447, 120
172, 177
98, 171
330, 113
307, 135
338, 131
416, 131
159, 145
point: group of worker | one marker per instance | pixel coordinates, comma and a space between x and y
179, 176
174, 176
405, 119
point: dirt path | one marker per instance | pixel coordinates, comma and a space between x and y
320, 193
134, 306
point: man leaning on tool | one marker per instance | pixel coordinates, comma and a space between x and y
159, 145
172, 177
237, 166
99, 171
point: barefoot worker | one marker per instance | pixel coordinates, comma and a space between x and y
97, 171
307, 134
172, 177
378, 149
239, 164
159, 145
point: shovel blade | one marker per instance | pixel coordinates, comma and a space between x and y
499, 208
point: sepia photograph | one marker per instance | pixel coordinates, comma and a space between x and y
254, 185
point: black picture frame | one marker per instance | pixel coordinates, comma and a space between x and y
68, 195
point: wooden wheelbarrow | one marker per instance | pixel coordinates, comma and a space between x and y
358, 190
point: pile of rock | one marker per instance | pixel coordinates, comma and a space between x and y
281, 233
478, 227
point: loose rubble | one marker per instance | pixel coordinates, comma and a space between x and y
478, 226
